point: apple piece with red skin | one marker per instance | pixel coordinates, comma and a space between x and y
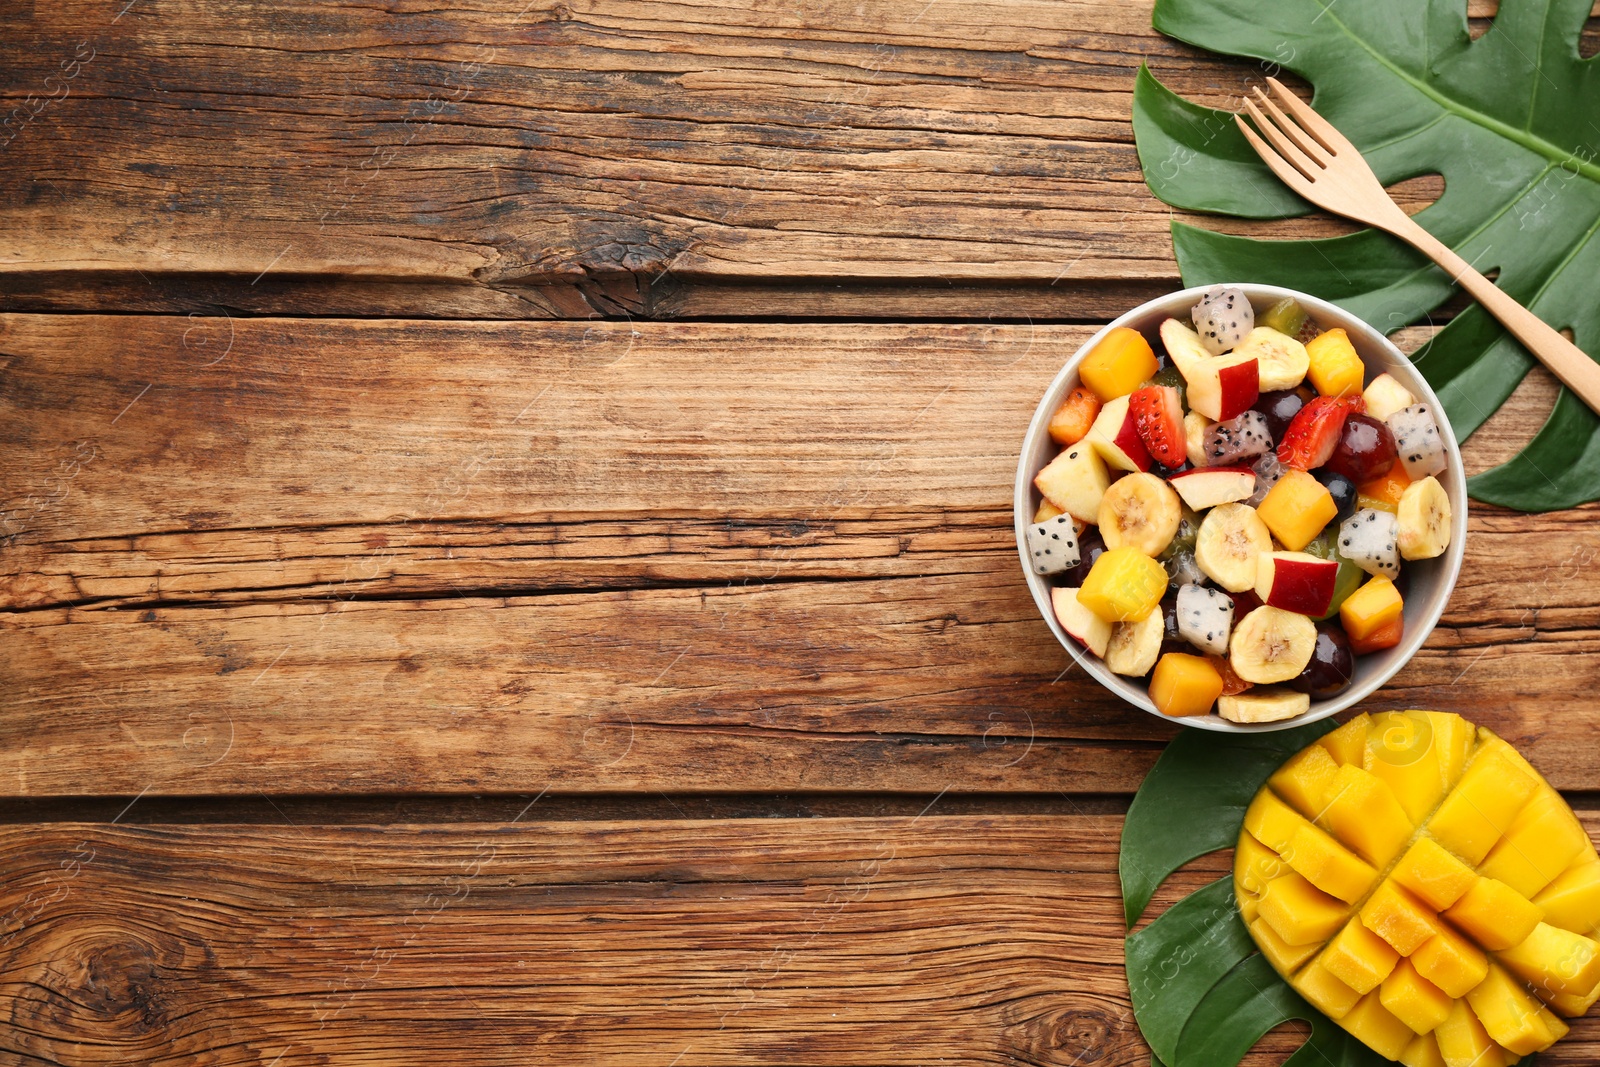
1081, 624
1206, 487
1220, 387
1296, 581
1115, 435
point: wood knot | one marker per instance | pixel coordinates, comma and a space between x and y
97, 981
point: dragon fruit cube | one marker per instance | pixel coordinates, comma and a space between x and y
1370, 540
1417, 439
1222, 318
1053, 545
1205, 616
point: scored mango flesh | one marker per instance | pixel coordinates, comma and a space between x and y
1416, 880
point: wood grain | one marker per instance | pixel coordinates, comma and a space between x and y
343, 557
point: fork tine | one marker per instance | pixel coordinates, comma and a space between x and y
1286, 148
1285, 171
1319, 127
1291, 129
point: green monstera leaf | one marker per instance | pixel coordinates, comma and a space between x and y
1510, 120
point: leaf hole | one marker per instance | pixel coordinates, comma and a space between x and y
1414, 194
1589, 39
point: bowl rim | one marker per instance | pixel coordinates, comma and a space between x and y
1363, 335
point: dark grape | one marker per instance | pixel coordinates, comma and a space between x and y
1279, 408
1244, 602
1332, 664
1365, 449
1171, 640
1342, 489
1090, 548
1164, 472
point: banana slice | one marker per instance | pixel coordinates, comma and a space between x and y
1140, 511
1424, 514
1263, 705
1281, 361
1231, 537
1134, 646
1271, 645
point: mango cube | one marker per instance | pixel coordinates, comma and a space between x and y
1326, 993
1359, 958
1436, 877
1271, 821
1422, 1052
1124, 585
1360, 810
1304, 779
1348, 744
1494, 915
1296, 509
1538, 845
1282, 955
1509, 1013
1184, 685
1572, 901
1463, 1042
1416, 879
1402, 752
1254, 865
1413, 999
1372, 607
1328, 865
1556, 959
1481, 806
1117, 365
1399, 918
1336, 369
1451, 962
1299, 912
1377, 1027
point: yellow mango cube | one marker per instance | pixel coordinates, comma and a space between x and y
1359, 958
1296, 509
1494, 915
1326, 993
1336, 369
1572, 901
1401, 751
1399, 918
1272, 822
1463, 1042
1482, 805
1541, 841
1299, 912
1254, 865
1509, 1013
1304, 779
1372, 607
1422, 1052
1328, 865
1348, 744
1360, 810
1413, 999
1453, 738
1282, 955
1451, 962
1436, 877
1555, 959
1118, 364
1572, 1005
1124, 585
1184, 685
1377, 1027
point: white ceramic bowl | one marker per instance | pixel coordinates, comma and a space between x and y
1430, 580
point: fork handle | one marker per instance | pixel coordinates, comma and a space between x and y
1565, 360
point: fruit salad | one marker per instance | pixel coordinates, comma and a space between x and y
1418, 881
1232, 507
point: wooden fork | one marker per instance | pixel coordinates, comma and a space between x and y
1318, 163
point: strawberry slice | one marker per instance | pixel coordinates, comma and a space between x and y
1313, 434
1158, 416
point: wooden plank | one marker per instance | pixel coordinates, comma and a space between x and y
517, 557
844, 941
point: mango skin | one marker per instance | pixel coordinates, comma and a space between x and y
1421, 884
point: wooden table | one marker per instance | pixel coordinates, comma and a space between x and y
507, 540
